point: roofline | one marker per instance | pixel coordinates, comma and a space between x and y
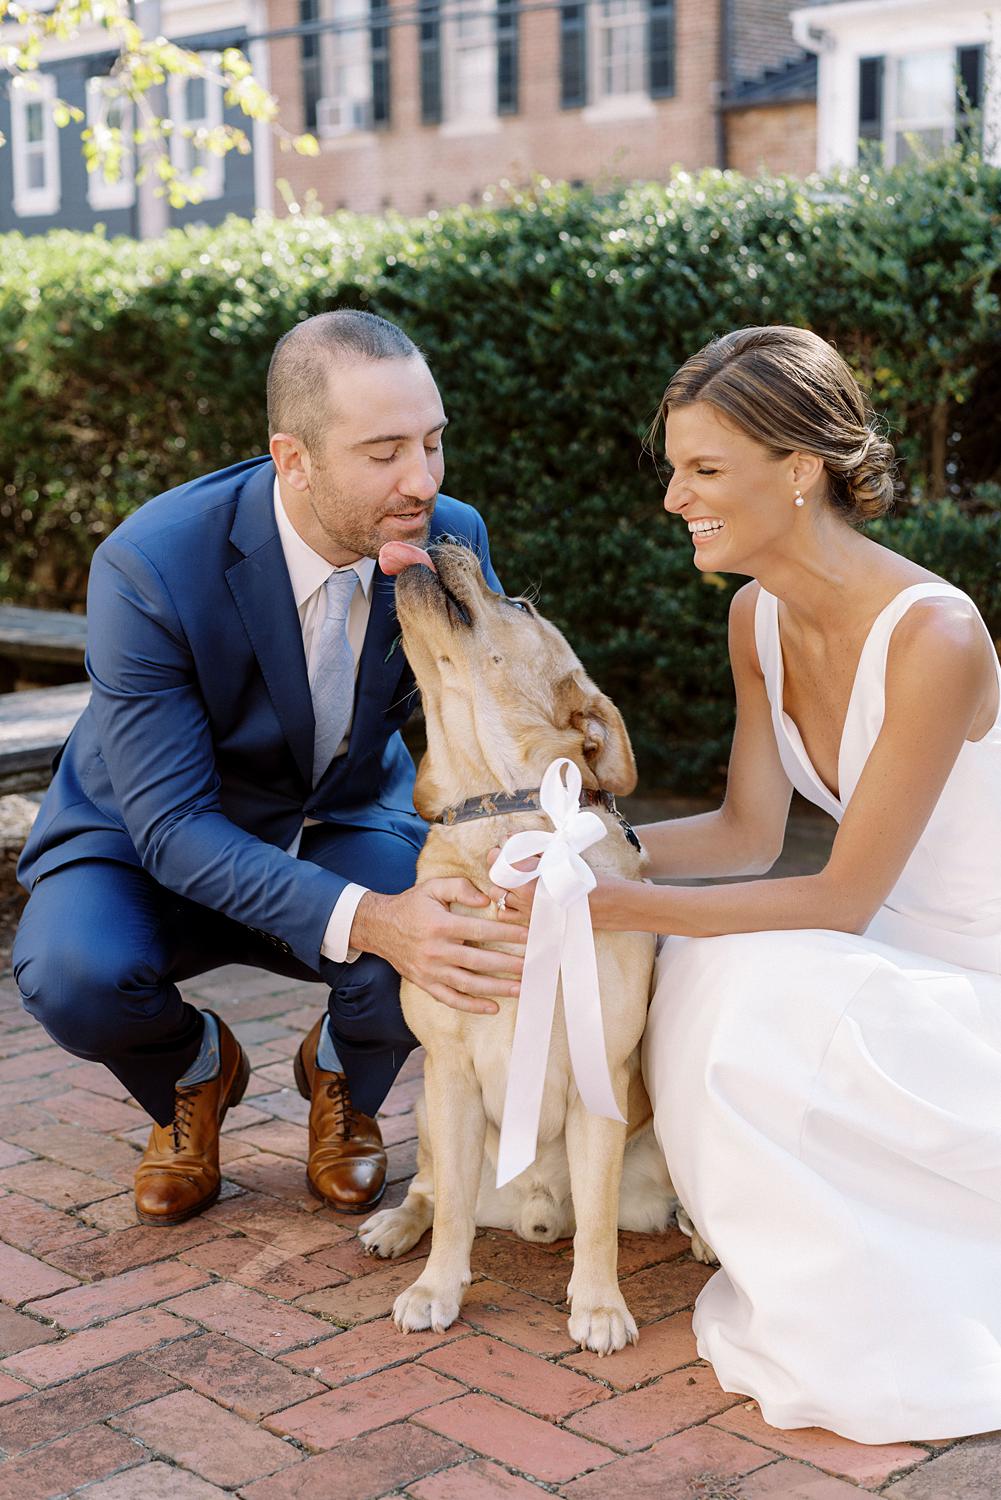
809, 30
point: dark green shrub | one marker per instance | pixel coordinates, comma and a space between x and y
552, 322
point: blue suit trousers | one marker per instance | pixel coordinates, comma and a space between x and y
102, 947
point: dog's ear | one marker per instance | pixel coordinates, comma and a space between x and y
428, 799
582, 707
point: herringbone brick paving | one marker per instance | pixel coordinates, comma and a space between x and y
250, 1351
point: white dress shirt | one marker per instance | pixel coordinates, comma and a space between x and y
308, 572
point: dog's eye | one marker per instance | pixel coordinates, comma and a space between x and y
519, 604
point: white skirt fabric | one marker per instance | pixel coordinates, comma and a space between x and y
830, 1111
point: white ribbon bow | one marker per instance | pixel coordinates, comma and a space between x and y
560, 942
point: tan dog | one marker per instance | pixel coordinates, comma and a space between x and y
503, 696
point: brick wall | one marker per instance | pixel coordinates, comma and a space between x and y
760, 37
777, 137
413, 167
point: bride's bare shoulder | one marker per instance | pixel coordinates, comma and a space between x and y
942, 641
743, 648
744, 603
952, 623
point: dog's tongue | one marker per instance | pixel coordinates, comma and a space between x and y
395, 556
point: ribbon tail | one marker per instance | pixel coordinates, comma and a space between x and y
532, 1030
582, 1011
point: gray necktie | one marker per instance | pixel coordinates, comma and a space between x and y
332, 682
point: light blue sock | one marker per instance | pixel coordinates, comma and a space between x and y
206, 1064
326, 1052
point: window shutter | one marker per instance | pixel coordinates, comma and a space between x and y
573, 56
379, 44
507, 57
871, 73
660, 48
309, 62
969, 93
430, 61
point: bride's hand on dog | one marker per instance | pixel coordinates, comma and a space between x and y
513, 906
429, 944
517, 907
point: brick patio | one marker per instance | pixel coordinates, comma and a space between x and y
250, 1350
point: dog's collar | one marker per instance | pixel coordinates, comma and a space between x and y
526, 799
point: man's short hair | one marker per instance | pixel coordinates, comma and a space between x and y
299, 398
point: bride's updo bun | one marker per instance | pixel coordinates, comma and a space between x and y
869, 483
791, 391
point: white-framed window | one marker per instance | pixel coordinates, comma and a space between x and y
619, 31
345, 69
34, 145
470, 61
197, 104
920, 103
109, 109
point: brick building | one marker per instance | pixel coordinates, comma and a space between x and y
771, 119
418, 103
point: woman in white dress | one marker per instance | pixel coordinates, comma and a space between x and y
824, 1051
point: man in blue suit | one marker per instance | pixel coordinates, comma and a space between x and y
237, 789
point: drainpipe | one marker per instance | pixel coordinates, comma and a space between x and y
724, 29
259, 52
151, 211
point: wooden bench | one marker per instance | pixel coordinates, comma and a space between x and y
38, 635
33, 725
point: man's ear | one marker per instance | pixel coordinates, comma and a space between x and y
582, 707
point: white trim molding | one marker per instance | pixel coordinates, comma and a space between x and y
181, 18
203, 171
469, 67
108, 105
34, 137
618, 49
344, 112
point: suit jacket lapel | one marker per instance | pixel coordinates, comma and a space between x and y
263, 593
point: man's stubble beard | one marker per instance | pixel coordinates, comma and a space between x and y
348, 537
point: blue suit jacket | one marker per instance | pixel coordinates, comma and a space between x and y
194, 757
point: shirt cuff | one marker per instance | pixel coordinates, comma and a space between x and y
335, 939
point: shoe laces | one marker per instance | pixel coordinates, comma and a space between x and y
337, 1093
184, 1109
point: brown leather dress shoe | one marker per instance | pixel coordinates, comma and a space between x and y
347, 1162
179, 1173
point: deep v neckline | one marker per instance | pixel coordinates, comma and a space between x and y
792, 728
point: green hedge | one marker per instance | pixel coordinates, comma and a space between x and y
553, 321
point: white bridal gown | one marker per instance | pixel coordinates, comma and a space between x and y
830, 1110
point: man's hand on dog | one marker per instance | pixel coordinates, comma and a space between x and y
429, 944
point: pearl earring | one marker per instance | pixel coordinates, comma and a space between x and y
799, 499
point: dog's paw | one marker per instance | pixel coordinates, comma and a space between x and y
701, 1249
392, 1231
703, 1252
422, 1306
603, 1327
